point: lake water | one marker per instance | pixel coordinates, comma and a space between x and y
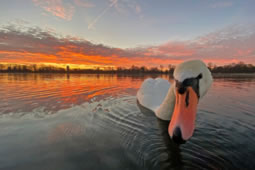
58, 121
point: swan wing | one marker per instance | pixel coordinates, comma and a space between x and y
152, 93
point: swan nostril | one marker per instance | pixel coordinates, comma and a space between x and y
177, 136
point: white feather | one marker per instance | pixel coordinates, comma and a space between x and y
152, 93
156, 94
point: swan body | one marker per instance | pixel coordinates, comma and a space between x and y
156, 95
178, 101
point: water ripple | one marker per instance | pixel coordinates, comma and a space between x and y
95, 123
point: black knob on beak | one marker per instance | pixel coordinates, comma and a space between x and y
177, 136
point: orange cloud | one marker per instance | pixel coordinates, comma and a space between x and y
38, 46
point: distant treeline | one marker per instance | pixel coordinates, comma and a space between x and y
33, 68
240, 67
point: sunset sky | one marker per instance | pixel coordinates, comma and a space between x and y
126, 32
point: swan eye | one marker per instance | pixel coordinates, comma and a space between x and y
199, 76
189, 82
180, 86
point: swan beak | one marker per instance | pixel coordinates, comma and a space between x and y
182, 124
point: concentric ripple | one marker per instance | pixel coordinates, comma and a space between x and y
110, 130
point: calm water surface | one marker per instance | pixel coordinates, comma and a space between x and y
93, 122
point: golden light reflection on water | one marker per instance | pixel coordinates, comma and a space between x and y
25, 92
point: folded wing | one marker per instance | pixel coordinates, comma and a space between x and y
152, 93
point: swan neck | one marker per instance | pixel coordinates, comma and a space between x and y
166, 109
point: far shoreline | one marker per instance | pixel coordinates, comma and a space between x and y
215, 75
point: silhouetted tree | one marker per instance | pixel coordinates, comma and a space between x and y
161, 68
67, 68
143, 69
34, 68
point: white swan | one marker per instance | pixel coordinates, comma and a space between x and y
177, 102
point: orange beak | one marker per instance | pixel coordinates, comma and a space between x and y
182, 124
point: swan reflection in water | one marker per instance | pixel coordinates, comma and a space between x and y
173, 158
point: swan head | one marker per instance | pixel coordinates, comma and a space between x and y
192, 81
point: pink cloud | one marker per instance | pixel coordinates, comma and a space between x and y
37, 45
138, 9
56, 8
233, 42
